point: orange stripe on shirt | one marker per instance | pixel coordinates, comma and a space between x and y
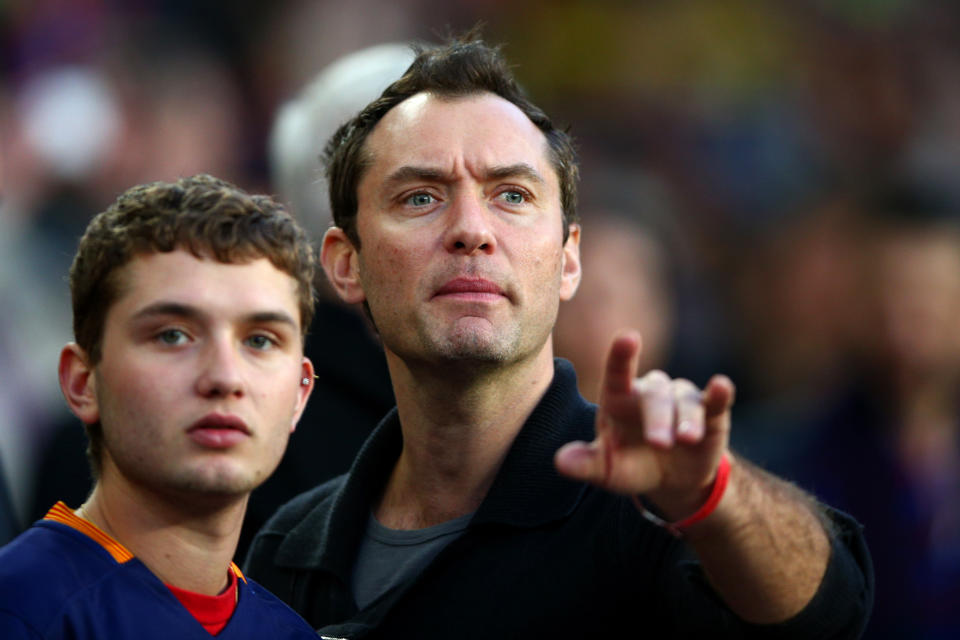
237, 572
63, 514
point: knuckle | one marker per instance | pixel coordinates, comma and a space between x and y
654, 381
686, 392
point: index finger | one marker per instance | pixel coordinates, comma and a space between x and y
622, 362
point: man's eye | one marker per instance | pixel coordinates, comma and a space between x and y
513, 197
421, 199
260, 342
172, 337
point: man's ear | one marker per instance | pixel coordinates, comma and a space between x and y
570, 276
306, 388
341, 263
78, 383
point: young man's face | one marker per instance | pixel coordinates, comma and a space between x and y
460, 224
201, 377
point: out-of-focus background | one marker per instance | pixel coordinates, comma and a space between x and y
770, 189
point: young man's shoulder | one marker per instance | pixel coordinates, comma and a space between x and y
46, 569
271, 617
56, 582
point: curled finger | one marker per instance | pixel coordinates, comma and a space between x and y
654, 394
688, 403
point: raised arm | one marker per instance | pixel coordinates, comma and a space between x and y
764, 547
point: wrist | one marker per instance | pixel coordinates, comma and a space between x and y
708, 504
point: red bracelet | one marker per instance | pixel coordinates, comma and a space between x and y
716, 494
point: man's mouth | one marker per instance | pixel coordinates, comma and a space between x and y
476, 289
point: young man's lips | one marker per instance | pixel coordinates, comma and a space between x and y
218, 431
470, 288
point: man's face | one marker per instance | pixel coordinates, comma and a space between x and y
460, 224
200, 381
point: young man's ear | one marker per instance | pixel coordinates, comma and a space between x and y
570, 276
340, 262
78, 384
306, 388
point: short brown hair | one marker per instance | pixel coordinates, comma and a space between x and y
465, 66
204, 215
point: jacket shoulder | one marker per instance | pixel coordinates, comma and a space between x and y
300, 507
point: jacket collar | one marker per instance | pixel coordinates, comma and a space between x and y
527, 491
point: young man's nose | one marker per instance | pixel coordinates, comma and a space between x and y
221, 369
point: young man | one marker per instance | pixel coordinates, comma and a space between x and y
454, 199
188, 373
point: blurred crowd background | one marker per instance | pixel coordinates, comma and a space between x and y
770, 189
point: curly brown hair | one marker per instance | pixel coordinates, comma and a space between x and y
202, 214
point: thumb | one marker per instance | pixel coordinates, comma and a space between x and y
582, 461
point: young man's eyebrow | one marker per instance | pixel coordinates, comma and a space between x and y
187, 311
167, 309
272, 317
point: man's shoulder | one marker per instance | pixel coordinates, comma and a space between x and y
301, 507
291, 537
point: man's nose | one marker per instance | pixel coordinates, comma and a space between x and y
469, 229
220, 369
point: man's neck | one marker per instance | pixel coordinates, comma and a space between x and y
189, 548
457, 430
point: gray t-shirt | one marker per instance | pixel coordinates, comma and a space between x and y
389, 558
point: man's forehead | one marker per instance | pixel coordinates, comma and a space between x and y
430, 129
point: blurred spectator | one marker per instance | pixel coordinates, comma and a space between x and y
623, 249
798, 303
886, 448
9, 524
62, 129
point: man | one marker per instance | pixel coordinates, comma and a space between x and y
454, 202
189, 302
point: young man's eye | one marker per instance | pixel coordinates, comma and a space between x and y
260, 342
172, 337
421, 199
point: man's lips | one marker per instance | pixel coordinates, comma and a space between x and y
218, 431
471, 289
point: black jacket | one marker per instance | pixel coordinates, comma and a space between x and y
543, 556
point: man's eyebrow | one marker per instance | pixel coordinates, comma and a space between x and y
519, 170
187, 311
408, 173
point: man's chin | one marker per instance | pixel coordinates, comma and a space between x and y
476, 346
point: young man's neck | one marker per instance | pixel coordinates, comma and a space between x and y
456, 432
187, 548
